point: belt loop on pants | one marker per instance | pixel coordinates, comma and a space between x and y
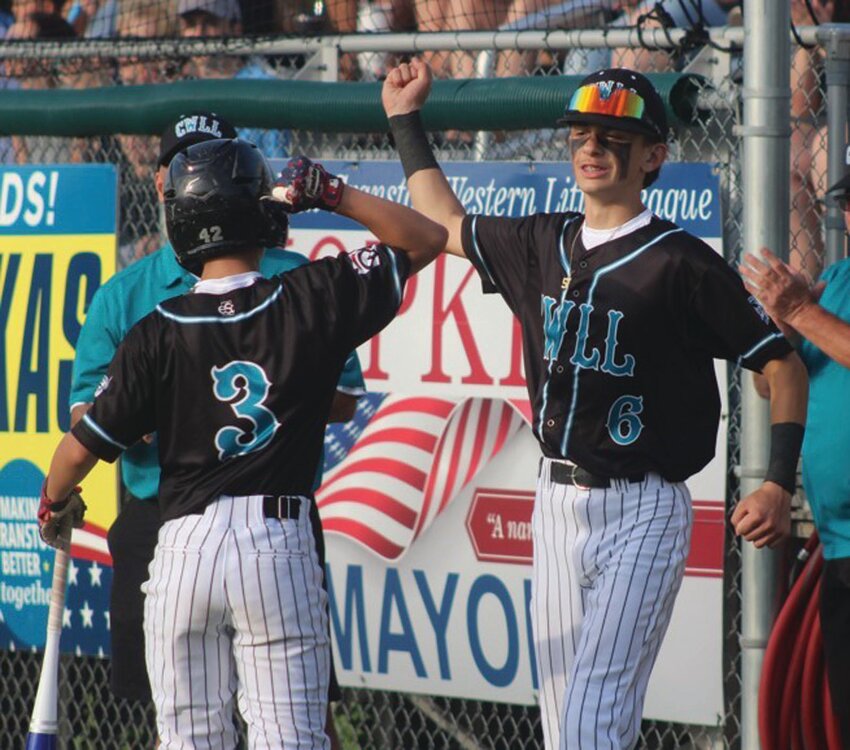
281, 506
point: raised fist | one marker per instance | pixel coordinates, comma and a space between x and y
406, 88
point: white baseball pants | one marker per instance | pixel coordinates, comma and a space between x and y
608, 564
235, 607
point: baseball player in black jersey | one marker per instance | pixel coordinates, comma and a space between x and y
237, 379
621, 314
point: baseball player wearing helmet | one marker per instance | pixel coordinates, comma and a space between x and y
237, 380
116, 306
621, 314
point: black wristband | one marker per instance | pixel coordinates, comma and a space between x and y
412, 143
786, 439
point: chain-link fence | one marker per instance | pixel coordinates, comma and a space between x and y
90, 716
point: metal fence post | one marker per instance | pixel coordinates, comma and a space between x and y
835, 39
766, 196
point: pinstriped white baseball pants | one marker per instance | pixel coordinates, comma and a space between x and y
608, 564
234, 606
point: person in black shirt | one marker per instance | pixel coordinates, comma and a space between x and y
621, 314
237, 379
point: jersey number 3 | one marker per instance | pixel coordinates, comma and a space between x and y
244, 386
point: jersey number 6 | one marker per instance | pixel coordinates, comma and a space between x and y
244, 386
624, 425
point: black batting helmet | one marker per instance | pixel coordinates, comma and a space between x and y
218, 202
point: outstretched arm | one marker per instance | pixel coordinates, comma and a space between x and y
395, 225
303, 185
404, 92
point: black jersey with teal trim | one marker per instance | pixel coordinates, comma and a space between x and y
238, 386
619, 340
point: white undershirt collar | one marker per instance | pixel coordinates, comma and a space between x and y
226, 284
591, 237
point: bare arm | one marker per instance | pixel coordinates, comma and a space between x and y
396, 225
71, 464
764, 516
77, 412
827, 332
405, 90
789, 389
761, 385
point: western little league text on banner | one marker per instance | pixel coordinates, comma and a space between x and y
57, 246
428, 493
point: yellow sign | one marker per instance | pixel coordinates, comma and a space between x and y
57, 246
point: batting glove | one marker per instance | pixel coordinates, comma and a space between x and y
55, 517
303, 185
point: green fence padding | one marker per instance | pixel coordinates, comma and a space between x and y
464, 104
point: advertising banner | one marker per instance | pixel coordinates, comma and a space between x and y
428, 492
57, 246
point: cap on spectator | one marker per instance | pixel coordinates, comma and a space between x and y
189, 129
227, 9
618, 98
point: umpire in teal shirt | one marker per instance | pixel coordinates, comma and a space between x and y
115, 308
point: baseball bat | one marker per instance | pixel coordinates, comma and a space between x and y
44, 720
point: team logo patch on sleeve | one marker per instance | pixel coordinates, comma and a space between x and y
103, 385
227, 307
762, 313
364, 259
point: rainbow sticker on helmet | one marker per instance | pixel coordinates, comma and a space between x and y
607, 98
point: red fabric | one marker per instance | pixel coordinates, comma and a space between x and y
44, 505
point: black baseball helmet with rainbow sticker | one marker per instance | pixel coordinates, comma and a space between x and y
618, 98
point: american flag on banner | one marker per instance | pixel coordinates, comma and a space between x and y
399, 463
85, 621
89, 543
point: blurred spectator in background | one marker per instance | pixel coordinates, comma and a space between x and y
808, 136
40, 73
212, 18
7, 151
683, 14
22, 9
93, 18
370, 16
6, 17
341, 18
141, 19
403, 16
459, 15
382, 16
139, 225
549, 14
